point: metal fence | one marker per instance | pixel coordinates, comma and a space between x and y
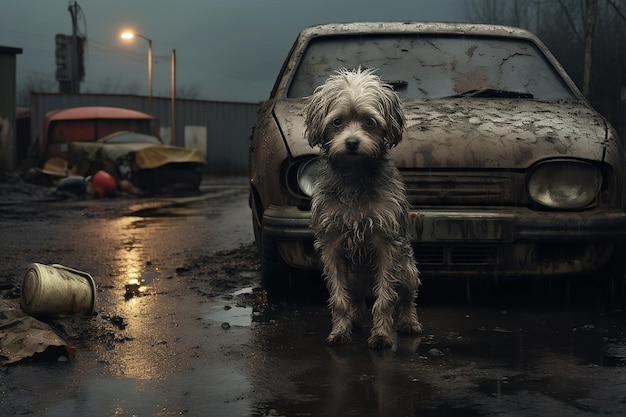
220, 130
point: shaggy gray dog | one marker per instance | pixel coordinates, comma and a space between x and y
359, 207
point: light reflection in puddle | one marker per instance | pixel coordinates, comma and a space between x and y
235, 316
247, 290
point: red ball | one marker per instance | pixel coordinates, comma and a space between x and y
104, 184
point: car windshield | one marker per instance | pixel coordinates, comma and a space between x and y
436, 66
133, 138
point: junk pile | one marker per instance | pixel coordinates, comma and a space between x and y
55, 172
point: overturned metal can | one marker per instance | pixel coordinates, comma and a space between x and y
56, 290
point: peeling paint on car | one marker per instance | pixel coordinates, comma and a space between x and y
477, 126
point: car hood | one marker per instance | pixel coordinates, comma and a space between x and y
146, 155
477, 133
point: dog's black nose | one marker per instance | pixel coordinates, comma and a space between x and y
352, 144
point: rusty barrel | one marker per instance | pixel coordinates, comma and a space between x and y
56, 290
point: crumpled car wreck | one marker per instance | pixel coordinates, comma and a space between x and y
509, 171
140, 159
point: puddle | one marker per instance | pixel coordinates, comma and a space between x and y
136, 287
615, 354
247, 290
234, 316
146, 278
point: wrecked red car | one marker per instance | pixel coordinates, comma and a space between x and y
86, 124
509, 171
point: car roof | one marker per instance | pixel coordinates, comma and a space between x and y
95, 112
414, 27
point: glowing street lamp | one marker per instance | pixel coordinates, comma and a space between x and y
130, 35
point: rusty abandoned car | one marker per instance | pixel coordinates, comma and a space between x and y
509, 171
86, 124
120, 141
141, 159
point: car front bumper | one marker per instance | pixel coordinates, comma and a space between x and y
507, 242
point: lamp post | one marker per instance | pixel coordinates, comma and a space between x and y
131, 35
173, 128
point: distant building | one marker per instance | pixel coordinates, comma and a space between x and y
220, 130
7, 109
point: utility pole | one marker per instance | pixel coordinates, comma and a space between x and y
69, 56
75, 81
173, 127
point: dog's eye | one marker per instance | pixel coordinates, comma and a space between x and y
370, 122
337, 122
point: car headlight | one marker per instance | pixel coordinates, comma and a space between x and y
307, 176
564, 184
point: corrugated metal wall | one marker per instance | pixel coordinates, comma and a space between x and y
7, 109
227, 124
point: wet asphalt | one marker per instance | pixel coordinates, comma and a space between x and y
202, 340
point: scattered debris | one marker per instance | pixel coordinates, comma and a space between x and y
23, 336
118, 322
435, 352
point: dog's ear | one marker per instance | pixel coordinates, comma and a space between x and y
394, 116
314, 115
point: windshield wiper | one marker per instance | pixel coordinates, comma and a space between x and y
492, 93
397, 84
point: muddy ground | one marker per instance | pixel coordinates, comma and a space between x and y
202, 338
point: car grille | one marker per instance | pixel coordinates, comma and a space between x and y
471, 188
474, 254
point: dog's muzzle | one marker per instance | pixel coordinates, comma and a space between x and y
352, 144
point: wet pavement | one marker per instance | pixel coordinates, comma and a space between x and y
201, 338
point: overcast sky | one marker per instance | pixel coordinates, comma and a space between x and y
227, 50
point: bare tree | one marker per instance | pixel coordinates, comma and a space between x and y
570, 15
108, 86
41, 83
617, 9
133, 87
588, 37
520, 13
582, 24
591, 11
189, 92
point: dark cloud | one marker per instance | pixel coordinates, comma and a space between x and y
226, 49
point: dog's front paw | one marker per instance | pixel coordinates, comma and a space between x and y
338, 339
410, 328
379, 341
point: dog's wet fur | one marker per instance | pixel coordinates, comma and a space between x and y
359, 207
